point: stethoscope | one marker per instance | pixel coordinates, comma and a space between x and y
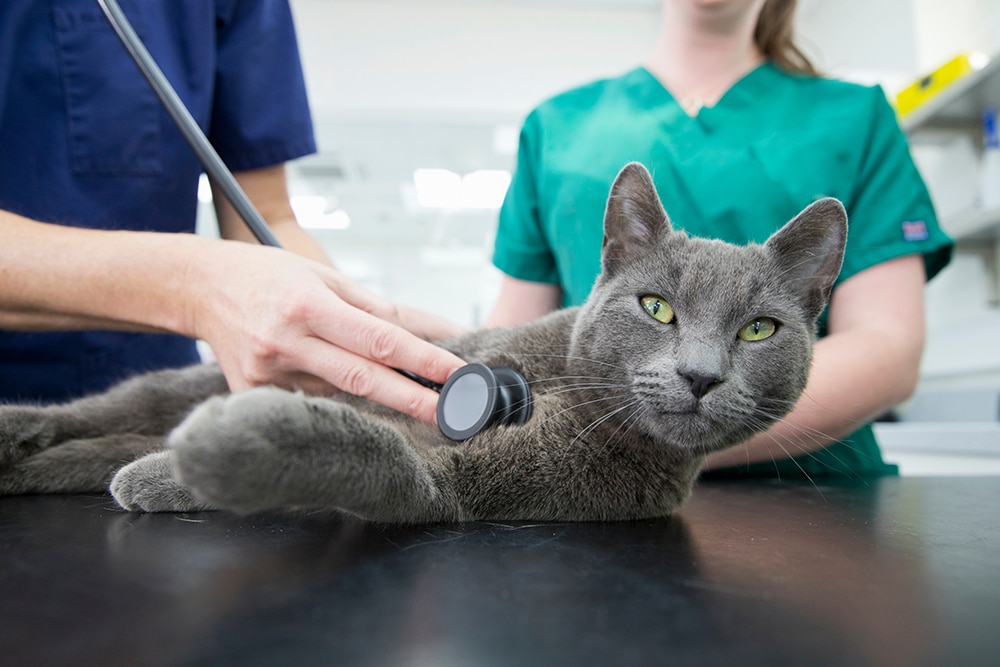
473, 399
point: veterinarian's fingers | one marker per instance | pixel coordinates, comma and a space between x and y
292, 381
427, 325
363, 377
420, 323
375, 339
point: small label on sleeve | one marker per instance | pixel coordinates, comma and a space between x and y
915, 230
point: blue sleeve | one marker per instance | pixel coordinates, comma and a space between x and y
260, 113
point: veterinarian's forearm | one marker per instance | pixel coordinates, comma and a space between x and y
522, 301
56, 277
268, 191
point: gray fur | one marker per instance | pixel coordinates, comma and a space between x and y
626, 407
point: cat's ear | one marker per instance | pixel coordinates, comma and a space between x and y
809, 251
634, 217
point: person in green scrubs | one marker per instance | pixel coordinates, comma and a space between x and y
740, 134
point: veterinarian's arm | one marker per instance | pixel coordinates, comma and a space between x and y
522, 301
267, 189
868, 363
271, 316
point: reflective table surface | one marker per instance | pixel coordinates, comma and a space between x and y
898, 571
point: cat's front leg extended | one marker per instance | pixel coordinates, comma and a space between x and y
268, 448
55, 450
76, 466
144, 406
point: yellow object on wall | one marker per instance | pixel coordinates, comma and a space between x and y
926, 87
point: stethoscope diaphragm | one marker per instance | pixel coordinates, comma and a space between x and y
476, 397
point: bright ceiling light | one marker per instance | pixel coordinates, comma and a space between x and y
442, 188
314, 212
485, 188
438, 188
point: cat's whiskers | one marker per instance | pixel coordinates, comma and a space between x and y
763, 420
791, 457
761, 425
600, 420
583, 379
817, 436
573, 358
585, 386
583, 403
641, 407
577, 387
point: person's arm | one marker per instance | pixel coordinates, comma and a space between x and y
868, 363
267, 189
522, 301
271, 316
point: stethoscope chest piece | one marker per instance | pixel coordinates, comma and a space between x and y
476, 397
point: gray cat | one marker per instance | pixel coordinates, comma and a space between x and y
685, 346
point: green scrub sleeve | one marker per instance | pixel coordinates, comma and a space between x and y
521, 249
890, 213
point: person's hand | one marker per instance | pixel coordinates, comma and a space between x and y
273, 317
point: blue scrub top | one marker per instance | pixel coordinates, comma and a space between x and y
85, 142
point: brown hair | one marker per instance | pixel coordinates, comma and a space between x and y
773, 36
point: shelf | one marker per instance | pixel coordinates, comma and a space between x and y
960, 105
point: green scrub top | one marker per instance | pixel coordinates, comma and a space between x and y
737, 171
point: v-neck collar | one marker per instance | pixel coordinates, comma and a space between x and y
732, 97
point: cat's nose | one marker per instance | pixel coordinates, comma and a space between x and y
700, 384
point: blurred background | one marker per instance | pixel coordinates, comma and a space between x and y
418, 105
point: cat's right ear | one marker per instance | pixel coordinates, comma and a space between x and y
809, 251
634, 217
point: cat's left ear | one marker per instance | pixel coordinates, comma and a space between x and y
809, 251
634, 217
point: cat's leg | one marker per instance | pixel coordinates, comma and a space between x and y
149, 485
267, 448
148, 405
77, 466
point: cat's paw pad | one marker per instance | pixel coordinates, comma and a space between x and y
149, 485
227, 450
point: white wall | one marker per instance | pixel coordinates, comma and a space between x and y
485, 56
945, 29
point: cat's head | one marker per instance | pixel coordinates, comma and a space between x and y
713, 340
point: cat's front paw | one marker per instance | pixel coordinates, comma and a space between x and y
227, 450
148, 485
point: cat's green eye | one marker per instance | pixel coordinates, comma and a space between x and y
758, 329
657, 308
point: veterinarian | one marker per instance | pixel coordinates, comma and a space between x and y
100, 274
741, 133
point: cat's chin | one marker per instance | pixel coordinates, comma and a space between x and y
694, 431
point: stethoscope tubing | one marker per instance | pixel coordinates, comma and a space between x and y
171, 101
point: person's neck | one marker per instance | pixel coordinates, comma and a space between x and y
698, 61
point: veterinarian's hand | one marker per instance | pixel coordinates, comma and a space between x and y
272, 317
